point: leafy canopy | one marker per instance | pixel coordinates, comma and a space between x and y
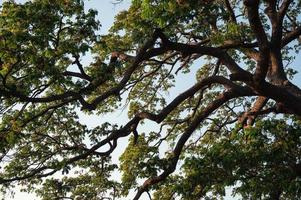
215, 76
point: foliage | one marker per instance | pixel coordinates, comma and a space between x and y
210, 83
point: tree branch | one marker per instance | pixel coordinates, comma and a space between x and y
258, 30
185, 136
231, 11
289, 37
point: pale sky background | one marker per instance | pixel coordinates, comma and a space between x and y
106, 12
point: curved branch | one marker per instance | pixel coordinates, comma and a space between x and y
188, 49
223, 98
144, 54
130, 126
249, 117
78, 75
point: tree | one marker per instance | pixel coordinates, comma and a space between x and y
238, 125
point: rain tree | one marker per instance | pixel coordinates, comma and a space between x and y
236, 123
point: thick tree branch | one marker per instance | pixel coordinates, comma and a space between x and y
144, 54
276, 71
81, 69
185, 136
258, 30
283, 9
187, 49
289, 37
286, 95
249, 117
231, 11
132, 125
77, 75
